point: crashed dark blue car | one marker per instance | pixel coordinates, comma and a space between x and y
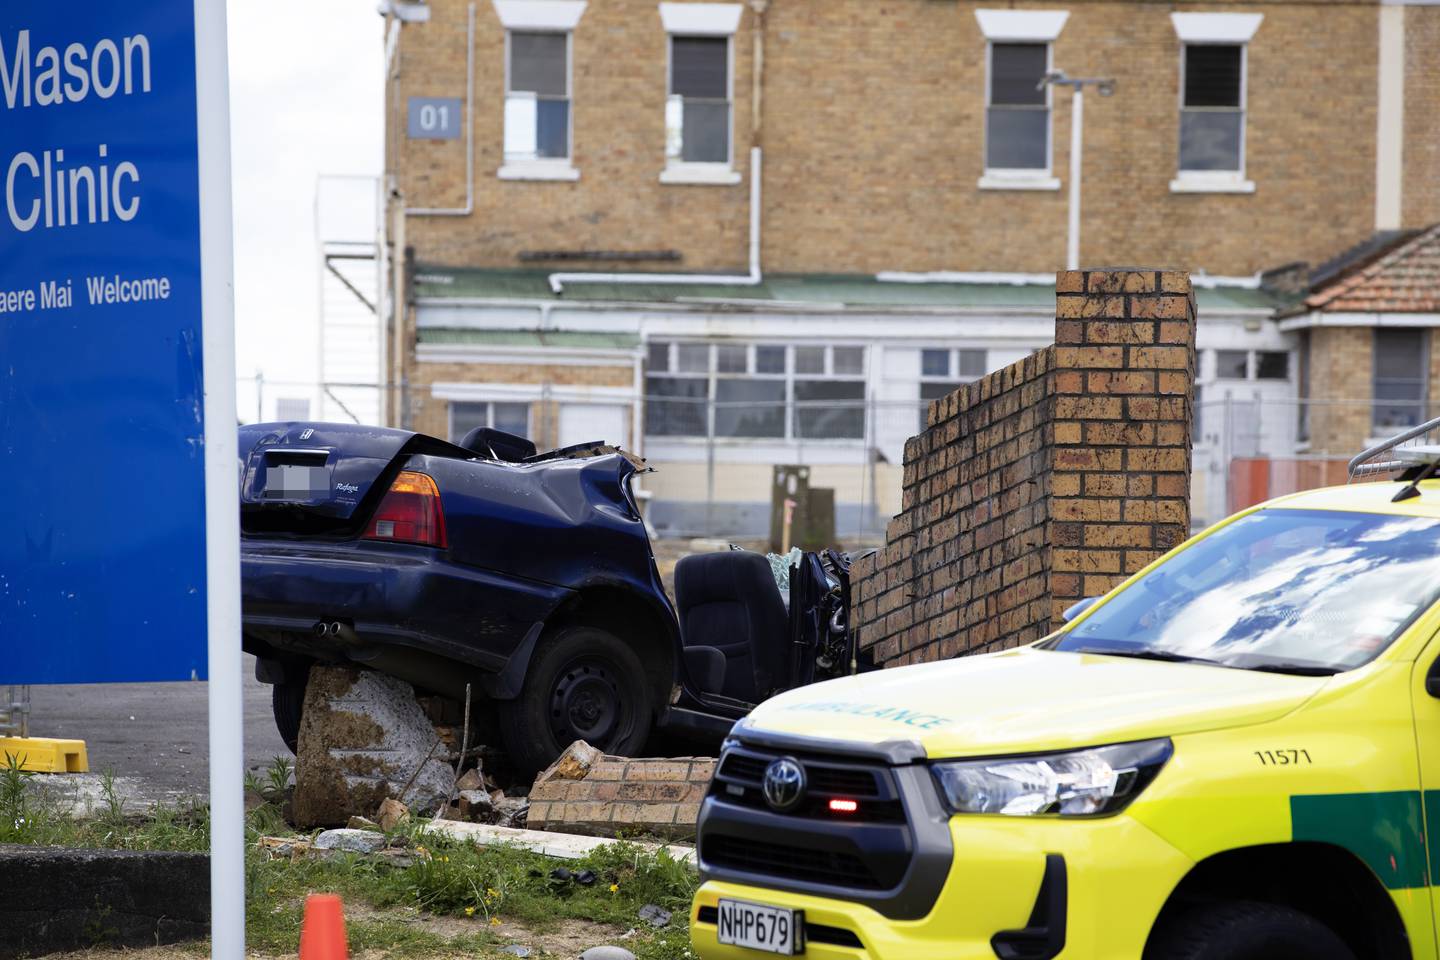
529, 577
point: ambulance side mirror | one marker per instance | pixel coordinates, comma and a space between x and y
1432, 679
1074, 610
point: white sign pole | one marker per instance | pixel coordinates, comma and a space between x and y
222, 506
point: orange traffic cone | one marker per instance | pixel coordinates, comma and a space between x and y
322, 936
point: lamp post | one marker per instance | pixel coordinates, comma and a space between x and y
1106, 87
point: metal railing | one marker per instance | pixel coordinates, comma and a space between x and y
15, 712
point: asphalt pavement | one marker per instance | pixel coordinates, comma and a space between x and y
153, 735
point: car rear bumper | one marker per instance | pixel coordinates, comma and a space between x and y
386, 596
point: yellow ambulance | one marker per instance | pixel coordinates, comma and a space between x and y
1234, 755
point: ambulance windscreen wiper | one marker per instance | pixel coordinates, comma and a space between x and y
1149, 653
1297, 669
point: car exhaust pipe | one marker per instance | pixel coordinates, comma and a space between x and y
320, 629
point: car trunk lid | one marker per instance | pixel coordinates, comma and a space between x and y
301, 478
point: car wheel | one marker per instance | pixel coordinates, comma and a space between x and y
1246, 931
583, 684
287, 702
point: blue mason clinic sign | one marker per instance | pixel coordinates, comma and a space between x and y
102, 432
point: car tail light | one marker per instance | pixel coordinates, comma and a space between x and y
410, 512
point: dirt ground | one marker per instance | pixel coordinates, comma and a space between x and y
567, 939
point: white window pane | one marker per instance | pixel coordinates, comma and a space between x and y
520, 125
676, 406
706, 135
465, 417
749, 408
537, 63
674, 126
935, 389
849, 361
1210, 139
658, 358
829, 409
935, 363
1231, 364
730, 359
769, 359
972, 363
512, 418
1016, 138
692, 358
809, 359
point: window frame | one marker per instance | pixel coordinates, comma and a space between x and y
1015, 176
952, 378
1215, 29
789, 377
1243, 107
701, 172
489, 405
1423, 380
516, 166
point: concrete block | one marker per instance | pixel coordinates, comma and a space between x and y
363, 739
56, 898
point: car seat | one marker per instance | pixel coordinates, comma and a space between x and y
729, 602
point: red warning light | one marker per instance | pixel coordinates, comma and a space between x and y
843, 806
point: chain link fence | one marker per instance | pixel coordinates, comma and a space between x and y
716, 461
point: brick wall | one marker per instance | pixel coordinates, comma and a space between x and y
620, 795
1420, 195
873, 130
1042, 483
1342, 374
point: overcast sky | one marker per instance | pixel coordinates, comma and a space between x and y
306, 87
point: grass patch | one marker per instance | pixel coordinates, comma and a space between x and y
476, 888
484, 886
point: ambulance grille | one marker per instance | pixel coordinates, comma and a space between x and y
787, 860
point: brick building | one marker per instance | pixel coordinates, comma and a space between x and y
792, 223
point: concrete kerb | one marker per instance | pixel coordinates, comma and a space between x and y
565, 846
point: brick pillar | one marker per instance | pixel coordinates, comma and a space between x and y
1120, 474
1044, 482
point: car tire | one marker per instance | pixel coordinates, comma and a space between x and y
287, 702
1243, 930
583, 683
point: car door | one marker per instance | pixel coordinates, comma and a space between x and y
1426, 706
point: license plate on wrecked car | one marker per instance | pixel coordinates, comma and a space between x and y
760, 927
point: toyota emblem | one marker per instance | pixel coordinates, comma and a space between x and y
784, 784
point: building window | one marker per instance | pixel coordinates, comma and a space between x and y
1017, 115
1232, 365
1272, 365
1400, 367
512, 418
1213, 63
942, 372
744, 391
1252, 365
537, 97
1212, 110
1302, 426
697, 106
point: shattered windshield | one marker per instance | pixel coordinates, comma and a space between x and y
1304, 591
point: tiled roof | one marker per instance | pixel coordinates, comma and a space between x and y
1405, 280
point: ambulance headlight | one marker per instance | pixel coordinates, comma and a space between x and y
1076, 783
